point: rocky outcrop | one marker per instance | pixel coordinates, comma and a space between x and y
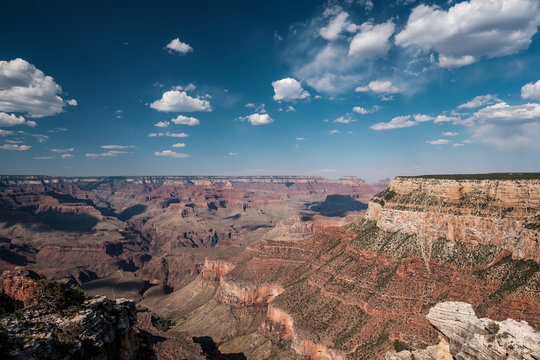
99, 329
483, 339
18, 283
504, 213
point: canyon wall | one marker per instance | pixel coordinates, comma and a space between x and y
353, 291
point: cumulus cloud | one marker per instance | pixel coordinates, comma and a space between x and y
5, 132
168, 134
337, 25
179, 145
531, 91
290, 109
438, 142
344, 120
479, 101
444, 118
72, 102
66, 156
364, 111
372, 40
449, 133
396, 123
112, 153
334, 132
117, 147
509, 126
422, 118
15, 147
288, 89
257, 119
180, 101
185, 120
177, 46
161, 124
171, 154
378, 86
26, 89
472, 29
11, 119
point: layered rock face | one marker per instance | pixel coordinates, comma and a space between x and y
351, 291
100, 329
503, 213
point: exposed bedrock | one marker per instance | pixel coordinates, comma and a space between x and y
503, 213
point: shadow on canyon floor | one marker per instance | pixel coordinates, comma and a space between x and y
212, 352
337, 205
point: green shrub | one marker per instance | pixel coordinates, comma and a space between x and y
161, 323
492, 327
52, 297
400, 345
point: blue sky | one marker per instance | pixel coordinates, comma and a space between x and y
374, 89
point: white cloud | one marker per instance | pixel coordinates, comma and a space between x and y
15, 147
300, 139
337, 25
168, 134
478, 101
344, 120
117, 147
112, 153
531, 91
334, 132
177, 46
364, 111
472, 29
67, 156
30, 123
509, 126
503, 113
62, 151
171, 154
26, 89
458, 144
232, 153
438, 142
257, 119
449, 133
180, 101
161, 124
396, 123
378, 86
179, 145
188, 87
5, 132
290, 109
372, 40
422, 118
443, 118
185, 120
72, 102
11, 119
250, 105
288, 89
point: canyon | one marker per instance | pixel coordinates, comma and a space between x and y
294, 267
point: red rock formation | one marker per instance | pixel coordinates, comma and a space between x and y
18, 283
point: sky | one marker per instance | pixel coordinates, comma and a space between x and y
322, 88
